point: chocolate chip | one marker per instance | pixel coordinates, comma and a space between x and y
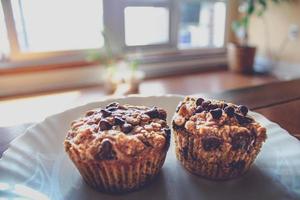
105, 113
153, 112
90, 122
119, 121
240, 141
97, 120
106, 151
212, 106
113, 104
199, 101
104, 125
89, 113
126, 128
211, 143
242, 119
199, 109
237, 165
205, 104
229, 110
224, 105
168, 137
216, 113
162, 114
243, 110
112, 109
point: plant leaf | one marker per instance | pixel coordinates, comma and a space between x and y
260, 12
236, 25
251, 7
245, 22
263, 4
276, 1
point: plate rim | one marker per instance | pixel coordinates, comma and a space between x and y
6, 154
108, 98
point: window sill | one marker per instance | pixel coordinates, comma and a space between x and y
37, 78
44, 63
12, 84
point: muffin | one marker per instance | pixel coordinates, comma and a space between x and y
119, 148
215, 139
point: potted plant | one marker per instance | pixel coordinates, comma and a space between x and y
121, 75
241, 55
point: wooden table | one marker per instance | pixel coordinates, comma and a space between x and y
279, 102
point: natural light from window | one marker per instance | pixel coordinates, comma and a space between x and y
146, 25
54, 31
202, 24
58, 25
4, 45
219, 24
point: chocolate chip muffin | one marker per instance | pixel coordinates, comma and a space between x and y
214, 139
119, 148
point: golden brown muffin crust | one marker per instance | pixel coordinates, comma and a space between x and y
215, 139
226, 121
119, 132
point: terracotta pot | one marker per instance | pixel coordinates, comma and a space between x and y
241, 58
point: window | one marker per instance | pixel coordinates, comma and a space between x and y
46, 25
152, 29
202, 24
65, 28
4, 46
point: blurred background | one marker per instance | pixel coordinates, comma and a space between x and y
67, 52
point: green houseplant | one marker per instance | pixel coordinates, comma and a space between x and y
241, 55
121, 75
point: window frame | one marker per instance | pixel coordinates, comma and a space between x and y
16, 53
114, 27
169, 4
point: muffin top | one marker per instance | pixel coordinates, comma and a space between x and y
218, 122
119, 132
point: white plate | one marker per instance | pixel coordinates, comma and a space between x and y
37, 160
